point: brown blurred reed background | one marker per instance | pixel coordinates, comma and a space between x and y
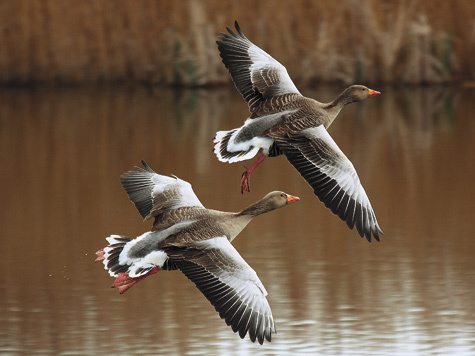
172, 42
64, 141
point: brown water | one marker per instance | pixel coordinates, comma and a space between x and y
331, 292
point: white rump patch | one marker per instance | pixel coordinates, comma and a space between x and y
251, 147
142, 266
137, 265
156, 258
124, 259
243, 150
256, 143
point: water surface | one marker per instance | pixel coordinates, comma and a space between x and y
331, 292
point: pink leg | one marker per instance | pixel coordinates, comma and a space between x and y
123, 282
246, 175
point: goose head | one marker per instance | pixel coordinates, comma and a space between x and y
358, 93
273, 200
277, 199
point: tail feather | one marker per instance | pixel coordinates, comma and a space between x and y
118, 261
110, 255
221, 148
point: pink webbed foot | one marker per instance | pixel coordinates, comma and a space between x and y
100, 256
123, 282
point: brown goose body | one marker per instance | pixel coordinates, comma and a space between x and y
187, 236
308, 110
283, 121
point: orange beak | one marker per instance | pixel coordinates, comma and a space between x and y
291, 199
373, 92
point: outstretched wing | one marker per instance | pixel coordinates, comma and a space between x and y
330, 173
153, 193
229, 283
255, 73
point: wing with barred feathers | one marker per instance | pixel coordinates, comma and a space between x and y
153, 193
229, 283
255, 73
330, 173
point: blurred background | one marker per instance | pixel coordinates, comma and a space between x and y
173, 42
88, 88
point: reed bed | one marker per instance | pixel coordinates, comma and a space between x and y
173, 42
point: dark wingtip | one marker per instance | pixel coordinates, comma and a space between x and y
368, 236
238, 29
236, 25
147, 167
377, 231
231, 32
376, 235
358, 229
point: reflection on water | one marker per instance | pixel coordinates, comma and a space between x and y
331, 292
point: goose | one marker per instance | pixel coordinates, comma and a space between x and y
197, 241
283, 121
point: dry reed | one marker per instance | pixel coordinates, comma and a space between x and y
172, 42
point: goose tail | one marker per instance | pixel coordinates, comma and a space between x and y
227, 150
128, 271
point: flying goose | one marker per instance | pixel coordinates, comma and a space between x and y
283, 121
187, 236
